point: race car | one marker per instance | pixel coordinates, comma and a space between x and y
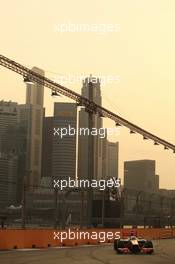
134, 245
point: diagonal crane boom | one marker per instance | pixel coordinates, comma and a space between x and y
83, 101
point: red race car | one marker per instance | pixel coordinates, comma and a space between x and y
134, 245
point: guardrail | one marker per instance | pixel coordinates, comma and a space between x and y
21, 239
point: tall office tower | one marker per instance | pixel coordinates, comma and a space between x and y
156, 182
8, 156
112, 159
84, 140
16, 145
110, 162
105, 157
47, 147
8, 118
64, 149
140, 175
31, 114
8, 179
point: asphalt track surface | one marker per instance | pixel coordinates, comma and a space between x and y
164, 254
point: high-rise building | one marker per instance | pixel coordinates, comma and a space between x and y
140, 175
112, 159
64, 149
47, 147
110, 162
105, 157
97, 98
156, 178
8, 118
17, 145
8, 179
84, 140
31, 114
8, 157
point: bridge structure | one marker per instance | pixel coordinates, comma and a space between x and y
89, 104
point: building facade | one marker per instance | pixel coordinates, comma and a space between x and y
64, 146
8, 155
140, 175
84, 140
112, 159
32, 112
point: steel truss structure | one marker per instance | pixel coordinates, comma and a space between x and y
82, 101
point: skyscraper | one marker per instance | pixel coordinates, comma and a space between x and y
140, 175
8, 118
64, 149
47, 147
110, 162
32, 113
8, 179
83, 160
112, 159
8, 156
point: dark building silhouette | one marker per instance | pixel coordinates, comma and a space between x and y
84, 140
32, 112
47, 147
59, 154
140, 175
64, 149
8, 155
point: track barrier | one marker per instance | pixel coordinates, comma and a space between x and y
44, 238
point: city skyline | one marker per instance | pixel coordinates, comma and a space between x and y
145, 94
87, 131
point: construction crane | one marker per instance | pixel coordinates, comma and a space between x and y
89, 105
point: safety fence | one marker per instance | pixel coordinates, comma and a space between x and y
21, 239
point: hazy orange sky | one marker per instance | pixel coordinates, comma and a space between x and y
142, 53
